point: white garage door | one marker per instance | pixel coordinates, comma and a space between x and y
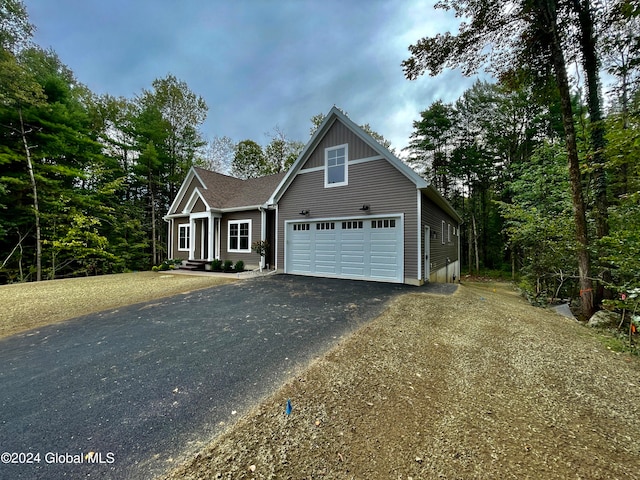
359, 248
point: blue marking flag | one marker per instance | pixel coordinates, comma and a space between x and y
289, 407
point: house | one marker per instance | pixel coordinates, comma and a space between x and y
347, 208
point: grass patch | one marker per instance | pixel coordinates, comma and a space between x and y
31, 305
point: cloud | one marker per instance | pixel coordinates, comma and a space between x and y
257, 63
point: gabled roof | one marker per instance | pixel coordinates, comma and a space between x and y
222, 192
336, 115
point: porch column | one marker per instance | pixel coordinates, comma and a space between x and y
210, 242
192, 239
218, 237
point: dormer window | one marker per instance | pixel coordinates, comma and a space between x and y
335, 166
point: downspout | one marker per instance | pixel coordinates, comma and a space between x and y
263, 232
446, 270
420, 233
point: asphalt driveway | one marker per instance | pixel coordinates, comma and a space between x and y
141, 385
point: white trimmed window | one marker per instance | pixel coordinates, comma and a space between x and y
183, 237
239, 236
335, 166
442, 232
448, 232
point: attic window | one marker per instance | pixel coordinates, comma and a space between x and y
335, 166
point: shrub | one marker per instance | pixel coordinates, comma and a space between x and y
216, 265
227, 266
239, 266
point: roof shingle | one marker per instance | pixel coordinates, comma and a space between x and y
224, 191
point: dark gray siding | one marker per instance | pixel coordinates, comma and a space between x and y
433, 216
376, 183
339, 134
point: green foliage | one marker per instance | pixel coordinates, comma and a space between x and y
538, 223
15, 28
249, 160
169, 264
261, 247
216, 265
621, 248
79, 248
227, 266
239, 266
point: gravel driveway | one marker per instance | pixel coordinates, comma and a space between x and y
476, 385
143, 385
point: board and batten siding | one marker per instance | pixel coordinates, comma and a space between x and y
433, 216
250, 259
376, 183
339, 134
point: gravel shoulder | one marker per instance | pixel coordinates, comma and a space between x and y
477, 384
30, 305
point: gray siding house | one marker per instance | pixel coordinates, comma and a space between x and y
347, 208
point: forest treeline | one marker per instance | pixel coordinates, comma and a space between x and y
85, 179
543, 164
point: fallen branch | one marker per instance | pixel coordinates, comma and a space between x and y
15, 248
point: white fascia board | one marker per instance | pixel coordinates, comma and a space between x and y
183, 188
306, 151
241, 209
166, 218
333, 115
442, 202
192, 201
405, 169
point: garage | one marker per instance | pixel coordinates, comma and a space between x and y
369, 248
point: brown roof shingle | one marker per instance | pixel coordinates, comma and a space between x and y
224, 191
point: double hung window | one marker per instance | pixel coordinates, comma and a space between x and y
183, 237
336, 171
239, 236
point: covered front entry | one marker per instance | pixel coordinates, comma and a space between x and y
204, 232
369, 248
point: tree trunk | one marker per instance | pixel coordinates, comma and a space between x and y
548, 13
597, 130
36, 207
470, 250
475, 242
153, 226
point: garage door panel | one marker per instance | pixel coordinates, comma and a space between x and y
352, 259
352, 271
326, 268
357, 248
378, 273
380, 260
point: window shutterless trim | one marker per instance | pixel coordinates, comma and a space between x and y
184, 247
345, 165
239, 236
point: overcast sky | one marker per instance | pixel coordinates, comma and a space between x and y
257, 63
